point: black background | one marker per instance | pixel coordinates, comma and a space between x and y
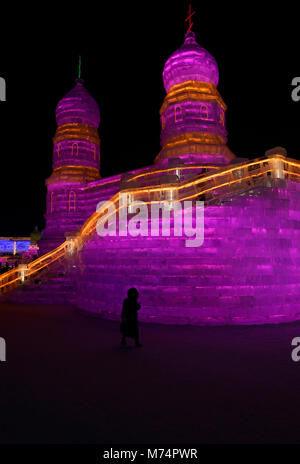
124, 48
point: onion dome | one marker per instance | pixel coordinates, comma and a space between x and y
78, 107
190, 63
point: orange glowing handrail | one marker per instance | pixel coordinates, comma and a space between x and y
205, 177
172, 169
90, 225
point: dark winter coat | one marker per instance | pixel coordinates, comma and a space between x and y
129, 325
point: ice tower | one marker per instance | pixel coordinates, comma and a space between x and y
76, 161
193, 126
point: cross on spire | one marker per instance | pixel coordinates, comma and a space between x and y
189, 18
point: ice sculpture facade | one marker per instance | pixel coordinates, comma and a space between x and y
248, 268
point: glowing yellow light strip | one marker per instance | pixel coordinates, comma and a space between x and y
225, 184
206, 177
76, 130
47, 255
192, 90
291, 173
76, 167
90, 224
50, 262
190, 97
10, 283
98, 215
193, 137
172, 169
102, 183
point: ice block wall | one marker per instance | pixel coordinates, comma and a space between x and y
246, 271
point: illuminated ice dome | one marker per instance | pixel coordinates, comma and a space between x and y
78, 107
190, 63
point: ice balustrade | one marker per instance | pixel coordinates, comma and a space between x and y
230, 180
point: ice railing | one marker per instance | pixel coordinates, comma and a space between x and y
233, 180
149, 176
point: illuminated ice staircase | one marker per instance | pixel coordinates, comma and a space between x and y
247, 270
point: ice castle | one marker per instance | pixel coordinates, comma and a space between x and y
247, 270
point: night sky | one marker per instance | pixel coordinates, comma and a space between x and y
124, 48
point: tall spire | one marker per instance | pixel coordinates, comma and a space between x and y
79, 68
189, 18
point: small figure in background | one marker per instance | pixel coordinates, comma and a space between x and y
129, 324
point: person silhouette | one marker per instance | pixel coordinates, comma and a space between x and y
129, 325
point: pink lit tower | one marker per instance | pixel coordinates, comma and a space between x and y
76, 161
193, 112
